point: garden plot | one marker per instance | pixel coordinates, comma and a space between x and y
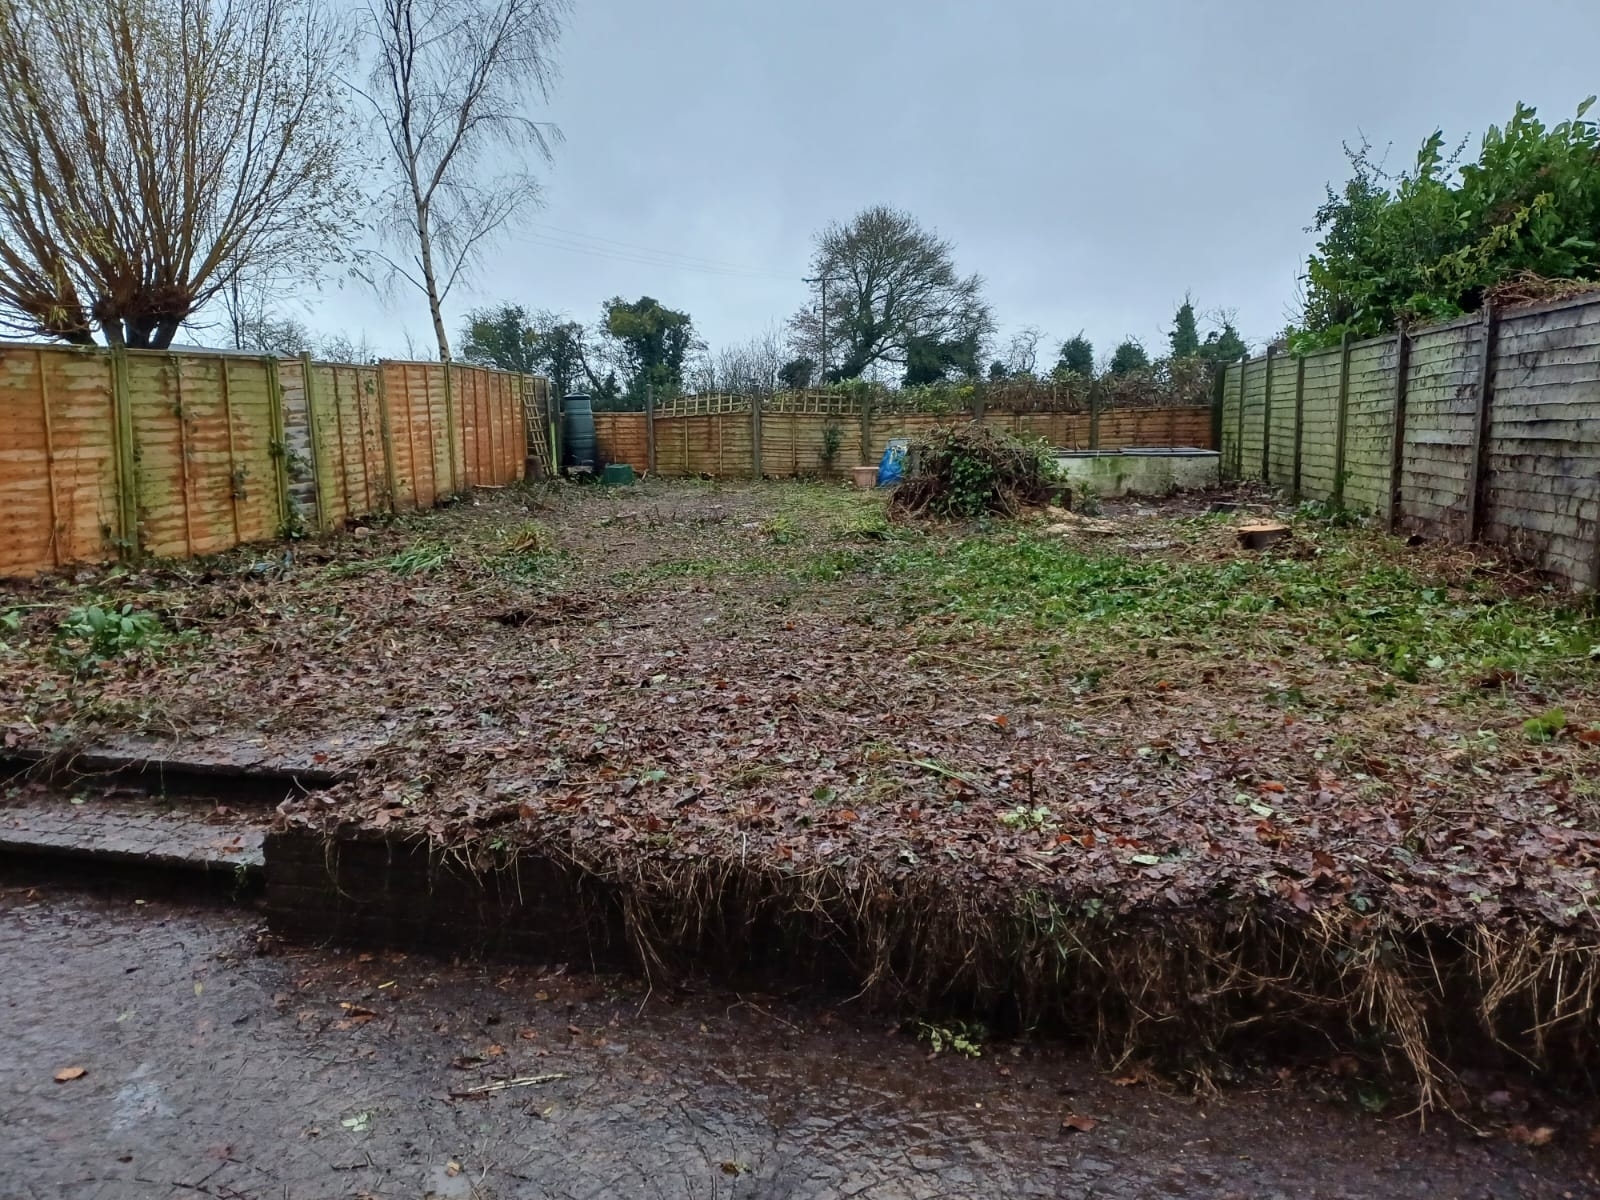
1121, 773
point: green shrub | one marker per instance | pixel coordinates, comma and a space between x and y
92, 633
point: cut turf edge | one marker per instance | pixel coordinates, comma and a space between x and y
1187, 988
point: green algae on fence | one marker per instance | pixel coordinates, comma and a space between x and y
1498, 430
176, 454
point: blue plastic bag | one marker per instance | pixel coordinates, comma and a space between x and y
892, 467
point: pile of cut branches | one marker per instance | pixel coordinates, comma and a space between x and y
965, 471
1529, 287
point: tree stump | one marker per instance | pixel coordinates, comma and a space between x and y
1259, 537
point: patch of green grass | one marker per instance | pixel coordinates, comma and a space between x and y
419, 558
1545, 727
828, 566
781, 530
1344, 602
702, 567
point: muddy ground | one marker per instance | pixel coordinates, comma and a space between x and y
216, 1064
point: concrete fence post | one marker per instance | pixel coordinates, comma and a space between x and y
1341, 419
1397, 428
1477, 492
1266, 424
1299, 423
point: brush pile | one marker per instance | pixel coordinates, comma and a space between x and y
967, 471
1529, 287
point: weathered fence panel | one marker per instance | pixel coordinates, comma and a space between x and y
1499, 424
1543, 468
1441, 412
58, 458
181, 454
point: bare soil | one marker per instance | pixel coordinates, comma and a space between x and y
1308, 764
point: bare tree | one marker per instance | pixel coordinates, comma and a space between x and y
886, 286
747, 368
450, 87
1022, 352
154, 151
342, 348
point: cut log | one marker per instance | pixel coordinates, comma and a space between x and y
1259, 537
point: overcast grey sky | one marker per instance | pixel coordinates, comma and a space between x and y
1094, 161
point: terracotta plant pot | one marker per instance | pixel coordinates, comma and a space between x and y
865, 477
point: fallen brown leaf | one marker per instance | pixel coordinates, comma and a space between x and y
1524, 1136
1077, 1124
68, 1074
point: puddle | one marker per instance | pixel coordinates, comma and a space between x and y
213, 1070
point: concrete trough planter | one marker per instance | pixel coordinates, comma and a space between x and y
1140, 470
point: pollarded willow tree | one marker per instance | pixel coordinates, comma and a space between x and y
155, 152
451, 87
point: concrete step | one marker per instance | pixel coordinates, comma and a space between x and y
131, 830
223, 773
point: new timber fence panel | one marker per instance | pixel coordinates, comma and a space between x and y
1441, 409
621, 439
720, 442
1543, 462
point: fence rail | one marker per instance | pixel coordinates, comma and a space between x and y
1487, 426
181, 454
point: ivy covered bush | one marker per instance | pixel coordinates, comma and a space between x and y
1433, 242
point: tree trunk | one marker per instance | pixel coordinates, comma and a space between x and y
166, 330
431, 281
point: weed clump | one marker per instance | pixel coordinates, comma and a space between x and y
968, 471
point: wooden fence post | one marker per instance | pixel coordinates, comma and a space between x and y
280, 447
977, 401
309, 390
126, 458
755, 435
450, 430
1340, 419
1299, 421
557, 413
866, 430
386, 429
227, 424
1397, 431
650, 428
50, 460
1094, 415
1266, 424
1476, 494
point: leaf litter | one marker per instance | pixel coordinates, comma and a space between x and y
1022, 723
